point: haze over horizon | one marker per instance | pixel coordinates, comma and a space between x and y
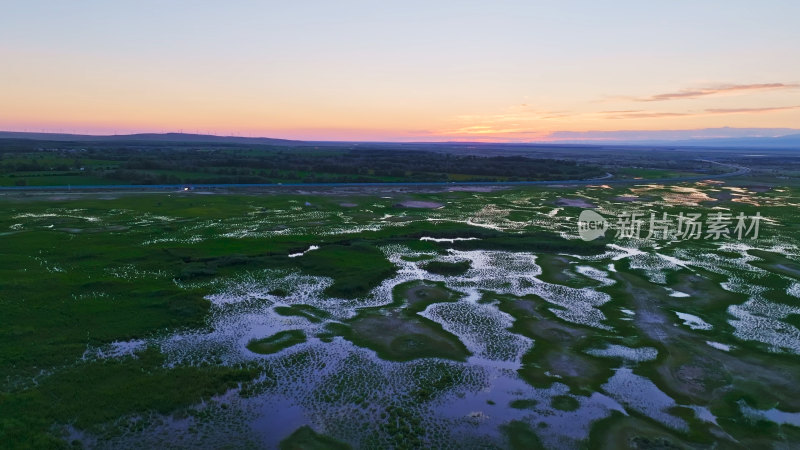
726, 136
411, 71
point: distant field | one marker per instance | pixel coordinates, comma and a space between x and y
37, 163
22, 179
637, 173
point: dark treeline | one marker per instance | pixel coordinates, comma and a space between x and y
151, 164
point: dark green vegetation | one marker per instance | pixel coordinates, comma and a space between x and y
59, 160
309, 312
415, 296
447, 268
304, 438
277, 342
538, 241
356, 268
521, 437
80, 272
53, 163
691, 373
88, 395
78, 276
620, 431
523, 404
558, 350
398, 333
564, 403
686, 368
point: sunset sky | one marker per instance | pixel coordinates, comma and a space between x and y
410, 70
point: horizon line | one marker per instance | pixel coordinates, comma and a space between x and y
565, 138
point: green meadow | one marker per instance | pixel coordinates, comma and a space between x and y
392, 318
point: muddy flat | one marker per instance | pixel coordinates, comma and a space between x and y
576, 202
420, 204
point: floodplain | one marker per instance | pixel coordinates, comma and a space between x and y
391, 317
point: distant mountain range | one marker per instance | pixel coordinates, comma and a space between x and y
145, 137
791, 141
705, 137
669, 138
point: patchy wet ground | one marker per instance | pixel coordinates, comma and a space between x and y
647, 342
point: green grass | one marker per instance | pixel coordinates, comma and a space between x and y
176, 163
416, 296
618, 431
76, 179
523, 404
49, 316
277, 342
447, 268
95, 393
652, 173
564, 403
355, 268
521, 436
305, 438
396, 337
68, 283
311, 313
397, 333
557, 355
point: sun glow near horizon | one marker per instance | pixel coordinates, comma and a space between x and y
516, 71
